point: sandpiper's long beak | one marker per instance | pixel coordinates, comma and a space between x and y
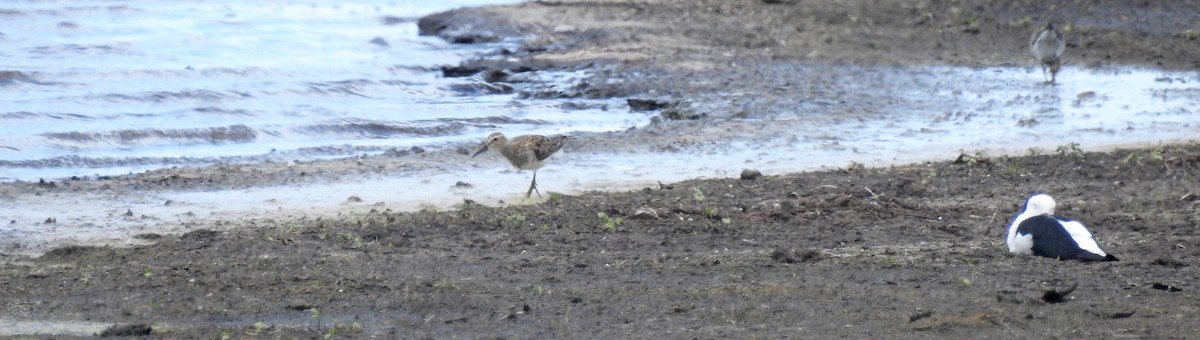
481, 150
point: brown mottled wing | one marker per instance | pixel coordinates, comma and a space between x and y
543, 146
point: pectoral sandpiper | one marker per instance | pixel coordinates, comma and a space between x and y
1047, 47
526, 152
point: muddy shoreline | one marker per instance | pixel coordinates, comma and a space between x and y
908, 251
860, 250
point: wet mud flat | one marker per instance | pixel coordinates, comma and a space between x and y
863, 251
905, 251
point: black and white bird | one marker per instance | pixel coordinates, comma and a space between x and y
1037, 231
1047, 47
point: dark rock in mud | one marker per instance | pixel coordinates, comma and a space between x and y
140, 329
750, 174
299, 305
468, 37
919, 316
1168, 288
639, 105
496, 76
460, 71
1057, 296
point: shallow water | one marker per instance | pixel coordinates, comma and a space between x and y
101, 88
13, 327
936, 114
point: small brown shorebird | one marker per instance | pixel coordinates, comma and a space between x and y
1047, 47
526, 152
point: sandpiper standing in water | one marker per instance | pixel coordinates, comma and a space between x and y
526, 152
1047, 46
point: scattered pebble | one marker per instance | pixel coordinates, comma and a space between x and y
1160, 286
140, 329
920, 316
750, 174
644, 214
1057, 296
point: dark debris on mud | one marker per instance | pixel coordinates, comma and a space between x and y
862, 252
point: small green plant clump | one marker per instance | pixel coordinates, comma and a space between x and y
1070, 149
967, 159
1191, 34
1023, 22
610, 223
1154, 155
855, 167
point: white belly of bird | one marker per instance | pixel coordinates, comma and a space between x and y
1021, 244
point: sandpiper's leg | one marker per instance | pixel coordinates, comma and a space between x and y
1054, 72
533, 186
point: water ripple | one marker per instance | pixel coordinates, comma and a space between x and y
215, 135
